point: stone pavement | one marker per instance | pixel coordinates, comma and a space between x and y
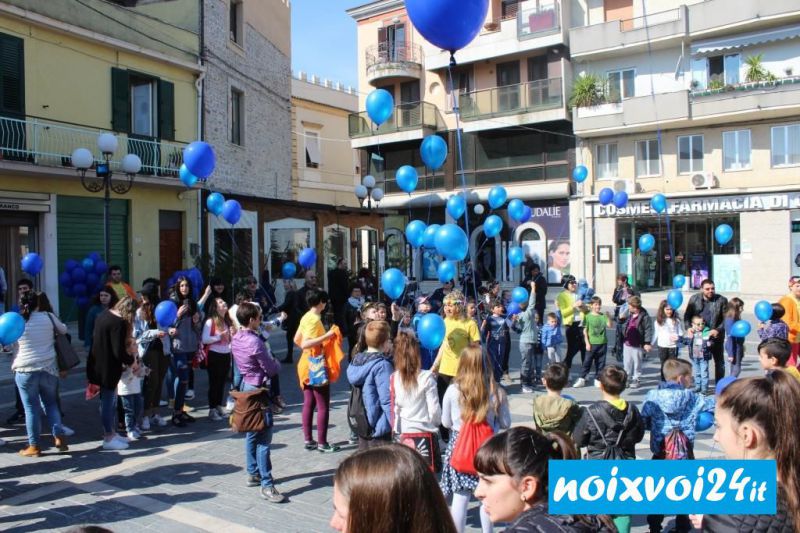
192, 479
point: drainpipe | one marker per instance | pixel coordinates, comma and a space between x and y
200, 104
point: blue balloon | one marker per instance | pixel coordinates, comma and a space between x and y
705, 420
492, 226
166, 313
95, 256
433, 151
646, 243
451, 242
88, 264
31, 263
620, 199
231, 211
407, 178
448, 24
380, 106
527, 213
675, 298
723, 384
497, 197
78, 275
100, 267
92, 280
658, 203
429, 237
70, 264
456, 205
80, 289
519, 295
606, 196
678, 281
288, 270
740, 328
513, 309
215, 202
446, 271
307, 258
393, 283
763, 310
580, 173
65, 280
415, 233
723, 233
516, 209
187, 178
12, 326
200, 159
430, 330
516, 256
83, 301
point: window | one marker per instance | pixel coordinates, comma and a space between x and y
724, 70
786, 145
509, 8
690, 154
648, 162
312, 149
142, 105
736, 150
607, 161
235, 17
621, 85
12, 75
237, 117
143, 109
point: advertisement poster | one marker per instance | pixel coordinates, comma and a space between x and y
552, 249
698, 269
727, 270
626, 263
430, 263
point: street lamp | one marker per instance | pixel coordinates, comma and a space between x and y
368, 190
82, 160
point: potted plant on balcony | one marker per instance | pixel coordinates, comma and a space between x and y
756, 72
587, 91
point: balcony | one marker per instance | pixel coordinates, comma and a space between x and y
49, 143
717, 17
626, 36
640, 113
534, 101
748, 101
409, 121
397, 62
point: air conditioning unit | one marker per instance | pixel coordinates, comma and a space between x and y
704, 180
629, 186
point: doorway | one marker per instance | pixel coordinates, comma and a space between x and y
170, 244
19, 234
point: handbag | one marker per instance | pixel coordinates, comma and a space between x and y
65, 353
470, 439
317, 371
250, 411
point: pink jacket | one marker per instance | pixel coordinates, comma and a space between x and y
252, 359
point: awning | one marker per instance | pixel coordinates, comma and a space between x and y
714, 46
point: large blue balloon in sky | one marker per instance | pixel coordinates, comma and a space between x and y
199, 159
380, 105
433, 151
448, 24
606, 196
451, 242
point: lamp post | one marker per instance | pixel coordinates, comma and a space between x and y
83, 159
368, 190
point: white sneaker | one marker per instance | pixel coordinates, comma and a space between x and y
213, 415
146, 423
189, 394
163, 403
635, 384
115, 444
580, 382
158, 421
597, 383
527, 390
221, 411
230, 405
134, 435
67, 431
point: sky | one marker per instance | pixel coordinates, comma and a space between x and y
324, 39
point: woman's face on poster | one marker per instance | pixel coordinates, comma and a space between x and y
559, 257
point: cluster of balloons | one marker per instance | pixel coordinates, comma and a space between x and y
608, 196
449, 240
307, 259
194, 276
82, 279
31, 263
199, 162
230, 210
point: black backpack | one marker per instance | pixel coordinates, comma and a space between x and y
613, 451
357, 414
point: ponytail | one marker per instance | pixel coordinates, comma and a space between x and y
562, 446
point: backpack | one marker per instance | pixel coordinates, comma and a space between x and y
677, 445
613, 451
357, 414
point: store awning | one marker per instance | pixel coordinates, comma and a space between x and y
715, 46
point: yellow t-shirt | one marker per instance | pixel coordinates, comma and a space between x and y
310, 326
793, 371
457, 335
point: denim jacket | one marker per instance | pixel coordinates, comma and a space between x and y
144, 335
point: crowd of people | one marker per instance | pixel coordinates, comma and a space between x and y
433, 425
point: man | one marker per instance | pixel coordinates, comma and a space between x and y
259, 296
791, 315
338, 290
711, 306
120, 287
572, 311
295, 308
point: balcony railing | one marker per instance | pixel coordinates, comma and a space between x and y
50, 143
512, 99
394, 52
408, 116
426, 183
537, 20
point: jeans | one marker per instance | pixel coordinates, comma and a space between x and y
108, 409
133, 405
575, 343
736, 364
597, 355
700, 368
236, 382
158, 363
528, 358
180, 369
496, 349
218, 365
37, 388
256, 447
632, 361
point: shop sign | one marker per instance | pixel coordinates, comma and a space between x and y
13, 205
708, 204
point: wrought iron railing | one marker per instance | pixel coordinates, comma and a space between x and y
408, 116
393, 52
511, 99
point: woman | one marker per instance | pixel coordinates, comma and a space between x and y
153, 346
473, 397
256, 366
293, 318
214, 290
791, 316
757, 418
512, 467
185, 336
109, 354
217, 333
105, 299
388, 489
622, 292
558, 261
36, 373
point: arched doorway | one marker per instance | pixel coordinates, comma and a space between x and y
485, 255
533, 239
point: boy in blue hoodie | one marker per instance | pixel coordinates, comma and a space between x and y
551, 337
371, 371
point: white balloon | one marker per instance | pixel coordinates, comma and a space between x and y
478, 209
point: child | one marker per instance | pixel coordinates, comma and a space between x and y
637, 334
472, 310
700, 342
734, 346
774, 354
352, 316
370, 370
774, 328
524, 323
672, 410
667, 333
426, 355
551, 411
129, 390
551, 337
594, 333
505, 298
495, 330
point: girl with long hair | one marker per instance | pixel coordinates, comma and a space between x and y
105, 299
153, 346
473, 397
217, 334
185, 334
667, 332
388, 489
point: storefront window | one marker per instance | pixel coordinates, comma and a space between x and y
233, 253
367, 249
285, 245
398, 253
336, 245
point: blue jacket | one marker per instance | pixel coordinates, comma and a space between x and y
551, 336
670, 406
371, 371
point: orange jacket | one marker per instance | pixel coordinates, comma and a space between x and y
791, 317
332, 350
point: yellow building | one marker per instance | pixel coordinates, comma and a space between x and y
72, 71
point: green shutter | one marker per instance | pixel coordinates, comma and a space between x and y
12, 75
120, 100
166, 110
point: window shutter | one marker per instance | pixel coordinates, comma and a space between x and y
120, 100
166, 110
12, 75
